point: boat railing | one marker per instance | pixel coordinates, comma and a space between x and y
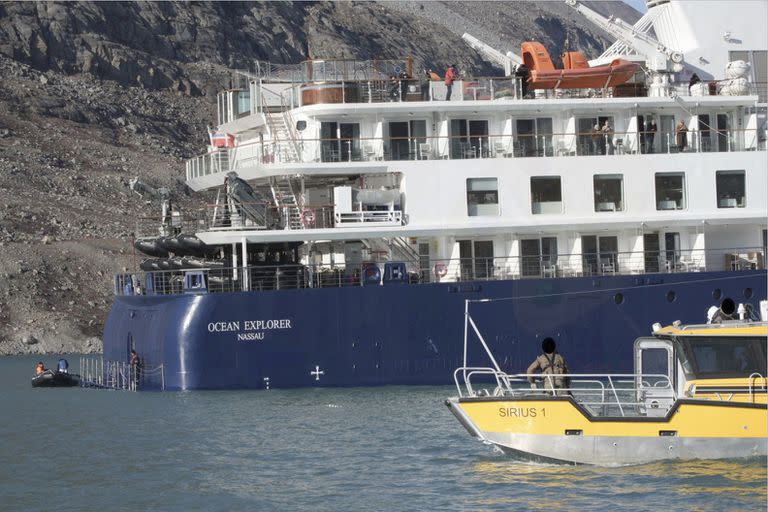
757, 382
96, 372
600, 394
481, 145
166, 276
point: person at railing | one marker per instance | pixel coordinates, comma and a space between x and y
426, 78
597, 140
607, 131
450, 75
650, 135
553, 369
135, 363
681, 135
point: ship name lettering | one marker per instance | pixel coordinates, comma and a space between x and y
259, 325
223, 326
250, 336
518, 412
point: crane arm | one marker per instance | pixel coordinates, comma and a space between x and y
643, 43
507, 61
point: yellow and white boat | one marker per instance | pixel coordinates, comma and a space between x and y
698, 392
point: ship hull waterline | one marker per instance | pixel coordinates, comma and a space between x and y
403, 334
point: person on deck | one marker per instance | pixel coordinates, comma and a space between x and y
135, 368
450, 75
552, 366
650, 133
681, 135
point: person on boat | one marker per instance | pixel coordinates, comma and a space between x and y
40, 368
597, 137
63, 366
135, 368
552, 367
450, 75
681, 135
607, 131
650, 134
426, 77
694, 80
434, 76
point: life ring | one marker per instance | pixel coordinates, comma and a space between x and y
441, 269
307, 217
370, 272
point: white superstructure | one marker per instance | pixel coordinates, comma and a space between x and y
367, 161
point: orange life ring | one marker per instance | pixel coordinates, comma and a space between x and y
441, 269
308, 217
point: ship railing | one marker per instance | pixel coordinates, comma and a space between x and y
96, 372
478, 145
602, 395
171, 274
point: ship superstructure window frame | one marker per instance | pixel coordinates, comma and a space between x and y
476, 259
670, 191
546, 195
608, 192
409, 135
339, 141
731, 188
482, 197
722, 356
587, 144
538, 257
469, 138
599, 254
533, 136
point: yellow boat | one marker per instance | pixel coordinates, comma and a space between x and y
698, 392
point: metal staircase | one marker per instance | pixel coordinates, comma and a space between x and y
287, 201
397, 249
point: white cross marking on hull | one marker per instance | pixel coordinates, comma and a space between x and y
317, 373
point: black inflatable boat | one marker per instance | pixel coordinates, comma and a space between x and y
52, 379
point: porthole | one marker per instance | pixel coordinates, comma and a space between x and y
747, 293
717, 293
618, 298
671, 296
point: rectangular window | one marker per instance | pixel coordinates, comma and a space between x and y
469, 138
609, 192
405, 139
482, 196
670, 191
599, 254
476, 259
534, 137
730, 189
538, 257
546, 196
340, 142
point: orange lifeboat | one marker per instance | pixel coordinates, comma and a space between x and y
576, 74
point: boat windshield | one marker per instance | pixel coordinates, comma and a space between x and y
723, 357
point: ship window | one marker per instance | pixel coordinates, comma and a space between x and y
546, 195
609, 192
405, 139
534, 137
469, 138
588, 142
730, 189
482, 196
670, 190
340, 142
725, 357
476, 257
538, 257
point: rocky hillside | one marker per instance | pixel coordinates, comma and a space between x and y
95, 93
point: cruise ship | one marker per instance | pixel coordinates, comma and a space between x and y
354, 206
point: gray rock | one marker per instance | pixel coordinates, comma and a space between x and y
30, 340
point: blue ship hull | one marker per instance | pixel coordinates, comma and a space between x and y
404, 334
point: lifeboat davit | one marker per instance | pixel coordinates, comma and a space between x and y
576, 73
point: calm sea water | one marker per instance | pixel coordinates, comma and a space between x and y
393, 448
